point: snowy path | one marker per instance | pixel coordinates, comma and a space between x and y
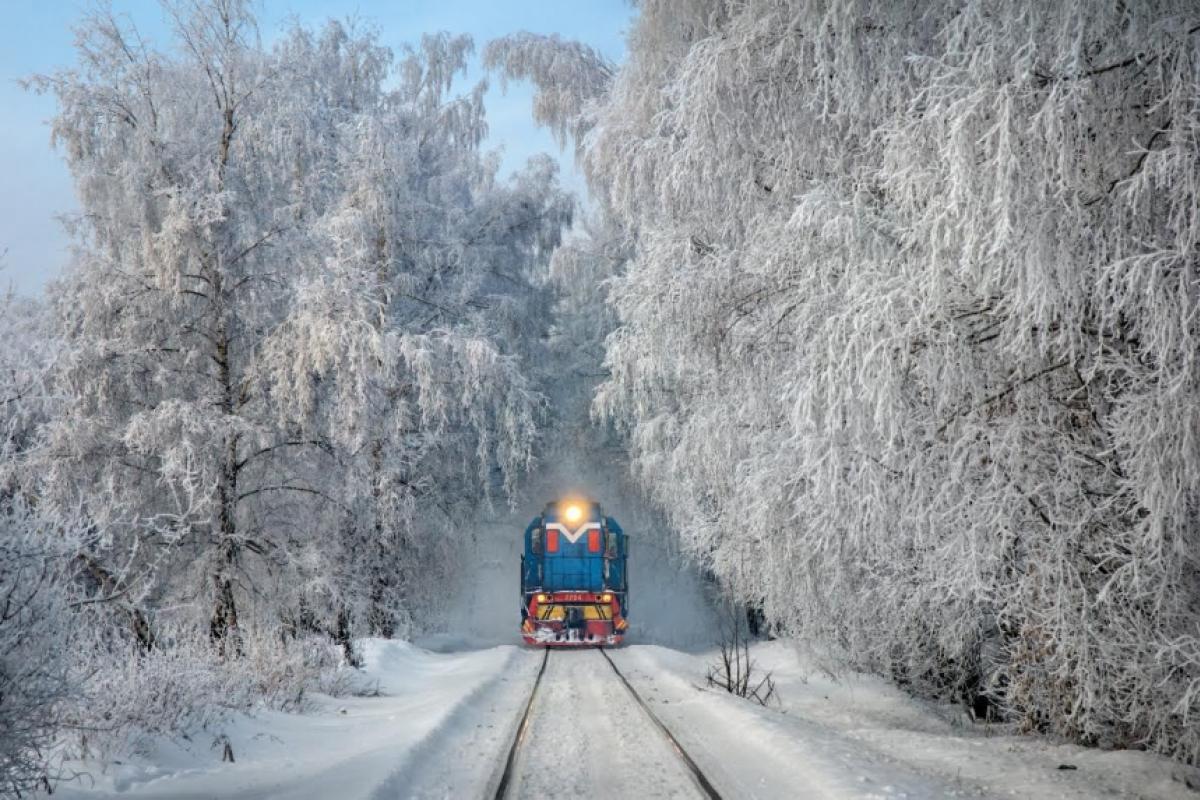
588, 738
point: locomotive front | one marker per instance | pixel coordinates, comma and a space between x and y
574, 588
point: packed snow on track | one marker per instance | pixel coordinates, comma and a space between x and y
588, 738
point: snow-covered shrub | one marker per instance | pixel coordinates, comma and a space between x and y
184, 685
35, 561
36, 648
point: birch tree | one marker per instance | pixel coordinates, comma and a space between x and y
903, 345
292, 329
35, 631
27, 348
187, 228
414, 345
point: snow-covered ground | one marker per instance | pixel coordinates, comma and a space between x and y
351, 747
443, 722
859, 737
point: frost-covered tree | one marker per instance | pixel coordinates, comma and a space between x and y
27, 347
906, 347
191, 229
36, 637
568, 76
286, 333
569, 79
35, 564
414, 345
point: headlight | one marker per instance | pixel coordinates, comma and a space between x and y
543, 598
606, 598
573, 513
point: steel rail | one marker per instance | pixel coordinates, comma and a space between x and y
519, 739
693, 768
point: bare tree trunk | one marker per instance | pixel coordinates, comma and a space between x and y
342, 636
224, 626
223, 629
380, 620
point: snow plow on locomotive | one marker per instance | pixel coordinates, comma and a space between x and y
574, 585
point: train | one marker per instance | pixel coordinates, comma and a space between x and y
574, 581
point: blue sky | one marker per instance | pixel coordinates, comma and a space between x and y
36, 37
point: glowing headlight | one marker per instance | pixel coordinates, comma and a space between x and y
542, 598
573, 513
606, 598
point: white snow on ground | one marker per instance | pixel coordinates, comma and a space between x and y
442, 727
747, 751
858, 736
346, 748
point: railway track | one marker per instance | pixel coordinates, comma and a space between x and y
522, 729
694, 770
505, 785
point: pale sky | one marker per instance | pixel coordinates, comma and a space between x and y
36, 37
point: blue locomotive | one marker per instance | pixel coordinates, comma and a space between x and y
574, 585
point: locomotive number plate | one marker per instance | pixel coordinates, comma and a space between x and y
568, 597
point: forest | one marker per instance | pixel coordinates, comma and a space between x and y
891, 309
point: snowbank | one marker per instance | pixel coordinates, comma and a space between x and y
345, 748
